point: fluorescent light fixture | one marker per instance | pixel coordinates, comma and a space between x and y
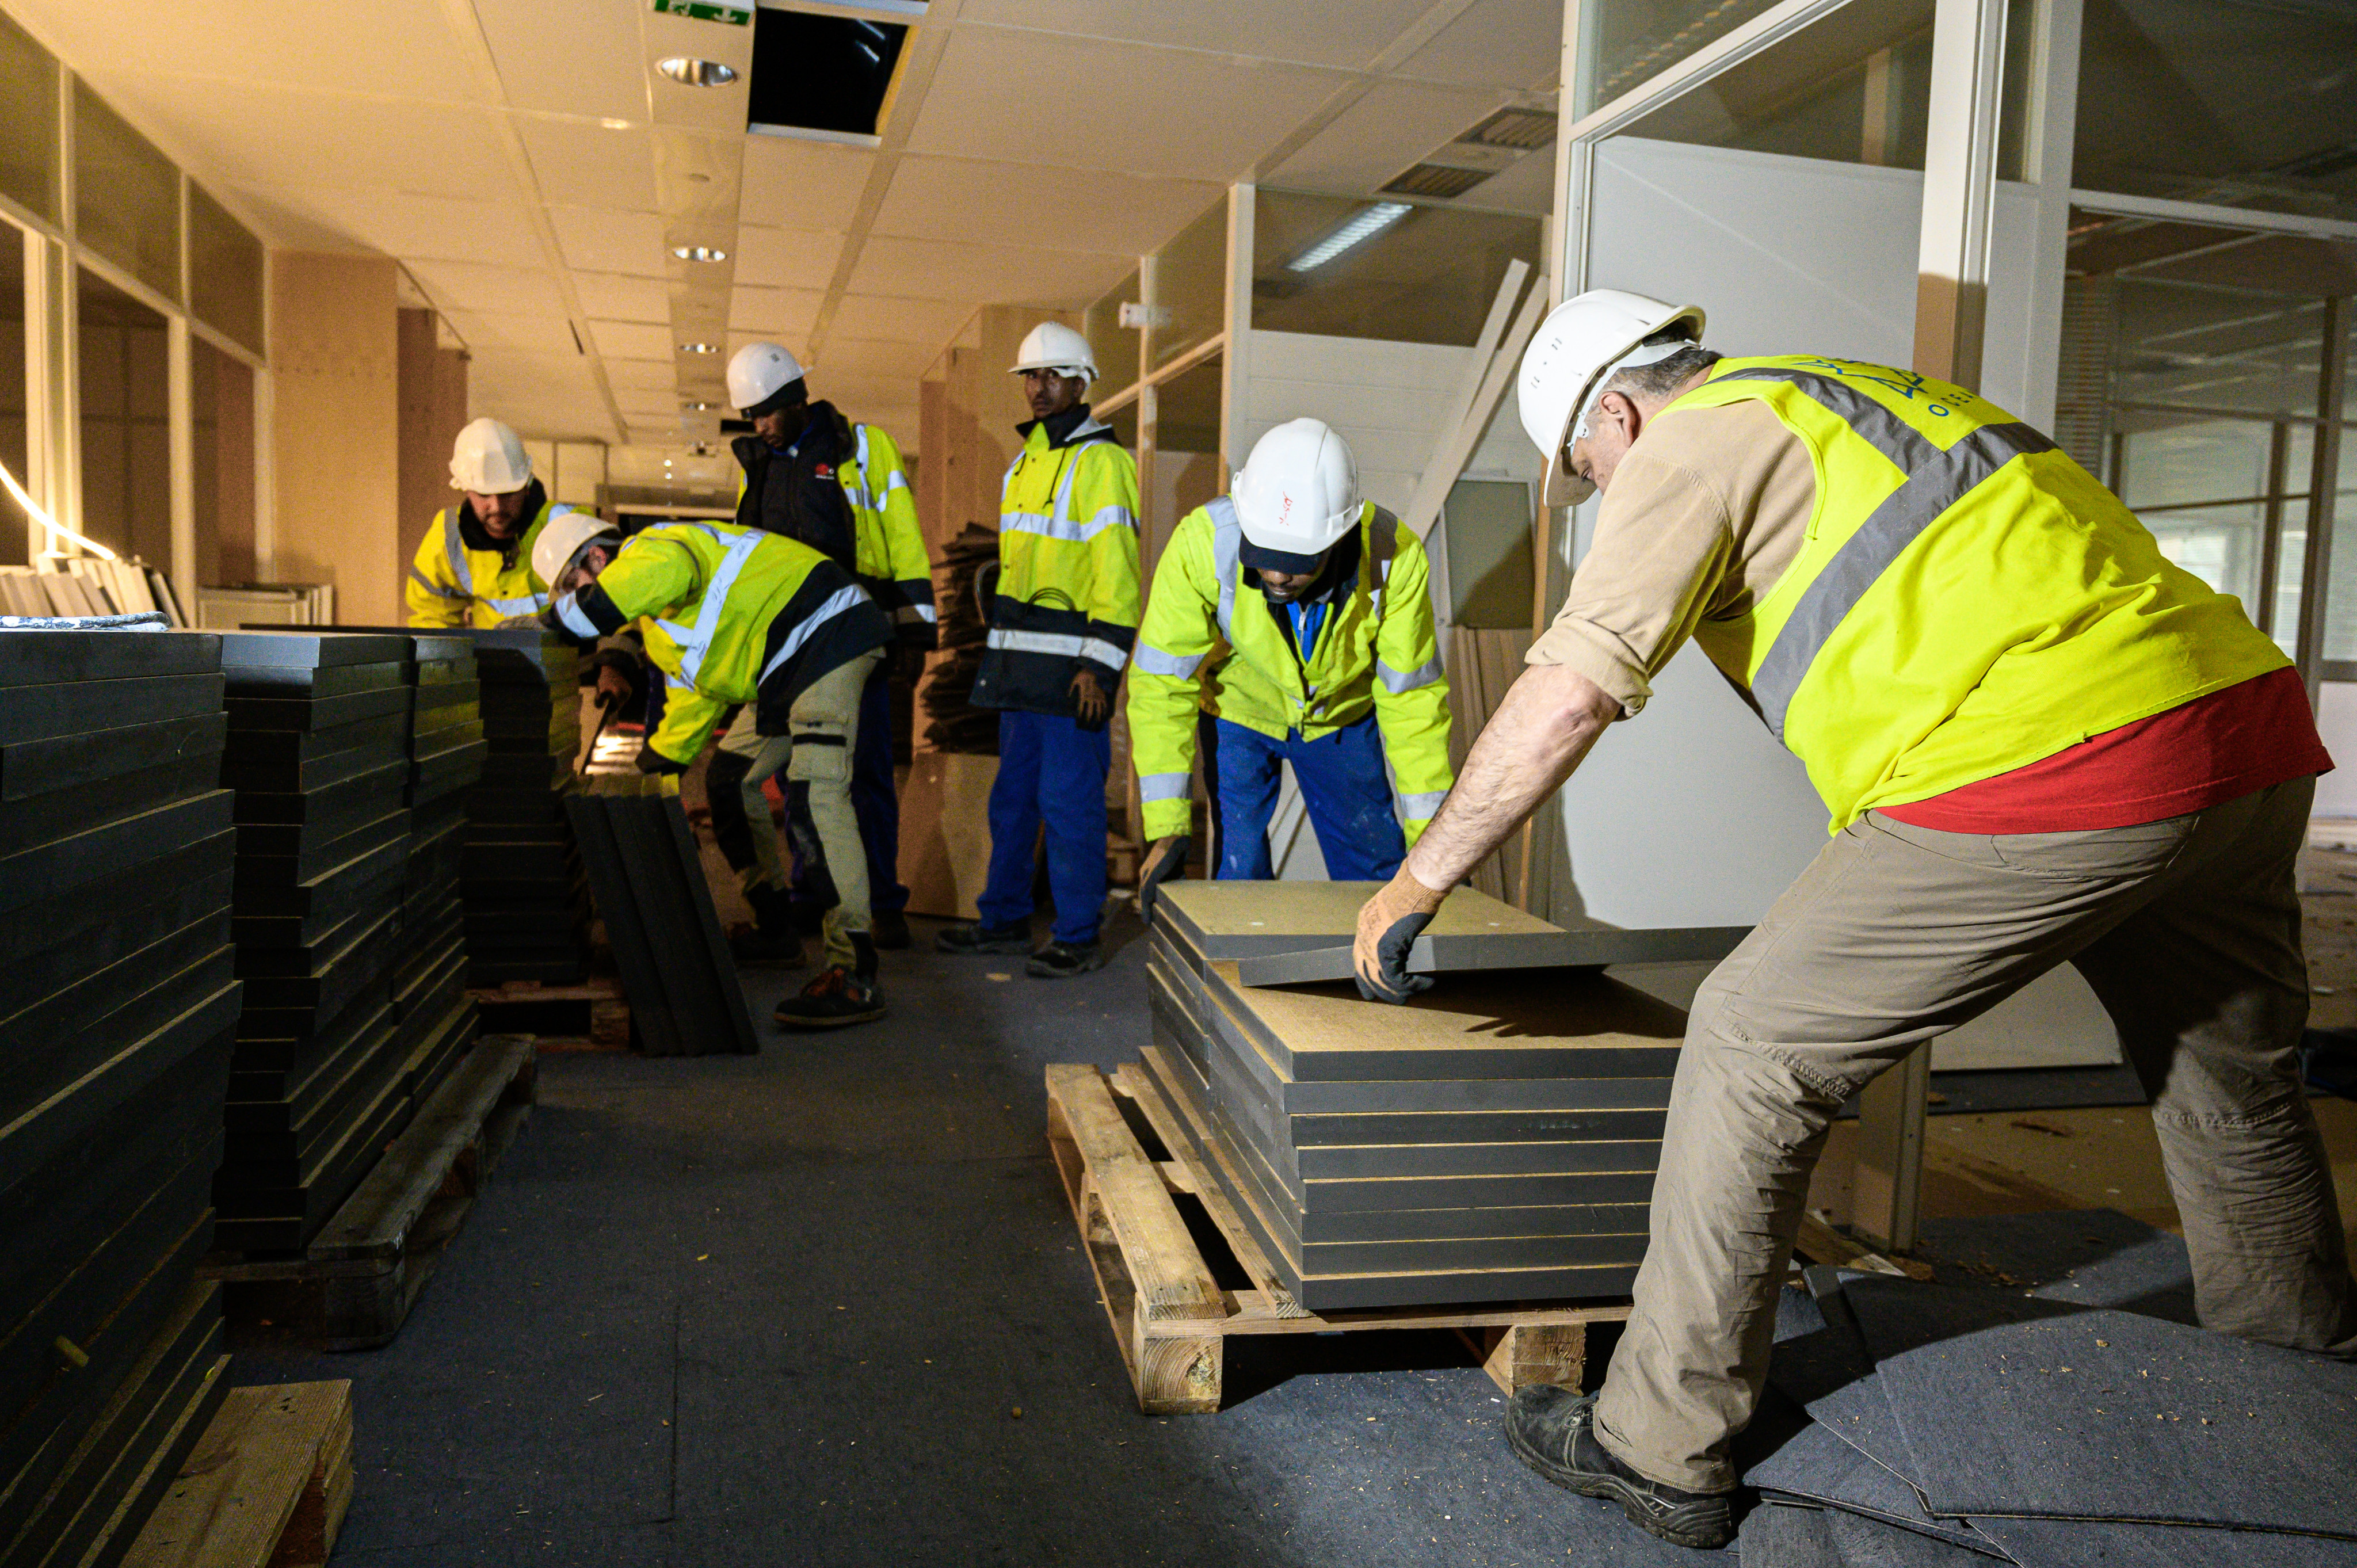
698, 254
611, 124
1356, 229
699, 347
689, 72
695, 407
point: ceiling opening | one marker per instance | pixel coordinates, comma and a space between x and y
824, 75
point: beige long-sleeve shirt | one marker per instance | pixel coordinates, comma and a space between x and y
1706, 511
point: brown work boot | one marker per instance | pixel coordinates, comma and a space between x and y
1553, 1431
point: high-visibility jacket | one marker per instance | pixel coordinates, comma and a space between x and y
1969, 599
888, 550
1209, 643
1067, 593
730, 614
462, 577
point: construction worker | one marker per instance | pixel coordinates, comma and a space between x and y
1061, 620
736, 615
1342, 670
842, 490
474, 566
2040, 742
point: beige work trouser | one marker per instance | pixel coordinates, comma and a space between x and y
2189, 930
821, 733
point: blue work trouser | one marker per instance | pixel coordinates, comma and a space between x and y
1051, 770
1343, 785
875, 796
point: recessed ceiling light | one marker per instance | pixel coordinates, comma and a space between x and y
699, 349
695, 407
698, 254
689, 72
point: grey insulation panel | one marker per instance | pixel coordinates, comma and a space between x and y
1589, 947
310, 650
51, 657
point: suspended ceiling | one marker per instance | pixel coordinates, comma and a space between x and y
530, 172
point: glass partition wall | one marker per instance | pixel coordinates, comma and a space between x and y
133, 330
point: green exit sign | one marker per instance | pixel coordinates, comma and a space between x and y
704, 11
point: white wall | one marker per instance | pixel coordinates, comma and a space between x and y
2336, 722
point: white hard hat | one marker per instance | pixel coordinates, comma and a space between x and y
489, 459
1052, 346
1297, 494
561, 539
1579, 345
757, 370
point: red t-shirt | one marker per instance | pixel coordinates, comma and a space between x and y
2211, 749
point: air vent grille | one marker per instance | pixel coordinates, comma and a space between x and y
1528, 129
1435, 181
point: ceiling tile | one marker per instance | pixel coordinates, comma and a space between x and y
1345, 33
937, 268
1526, 187
574, 57
641, 375
785, 258
403, 47
784, 314
456, 287
1196, 117
1498, 43
931, 321
631, 341
855, 358
611, 296
609, 242
423, 228
1396, 124
802, 185
551, 335
1024, 204
580, 164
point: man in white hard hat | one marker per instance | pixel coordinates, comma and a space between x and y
2041, 742
738, 614
1292, 621
474, 566
1061, 621
842, 489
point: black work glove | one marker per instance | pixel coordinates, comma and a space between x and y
1389, 924
1165, 860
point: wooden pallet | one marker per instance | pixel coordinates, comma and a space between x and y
1169, 1315
265, 1486
354, 1285
592, 1016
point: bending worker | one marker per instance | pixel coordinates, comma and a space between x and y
735, 615
1342, 667
2042, 744
840, 488
1060, 625
474, 566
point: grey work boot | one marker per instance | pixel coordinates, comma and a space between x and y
1553, 1431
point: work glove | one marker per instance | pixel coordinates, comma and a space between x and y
1165, 860
1389, 924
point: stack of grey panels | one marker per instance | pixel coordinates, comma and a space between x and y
527, 904
2046, 1428
318, 754
118, 1005
1494, 1141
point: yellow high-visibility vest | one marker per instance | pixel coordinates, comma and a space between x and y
1209, 644
1969, 599
453, 584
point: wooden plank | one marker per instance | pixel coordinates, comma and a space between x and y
1185, 1148
375, 1221
1171, 1279
259, 1490
1523, 1354
1456, 445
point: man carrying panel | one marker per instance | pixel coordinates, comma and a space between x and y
1293, 621
840, 488
2042, 744
736, 615
1061, 621
474, 566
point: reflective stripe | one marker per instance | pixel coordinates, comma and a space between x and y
434, 588
1162, 786
1227, 558
694, 641
570, 615
1938, 478
1104, 652
1397, 683
1419, 807
895, 480
455, 548
836, 602
531, 604
1155, 661
1061, 644
1058, 526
